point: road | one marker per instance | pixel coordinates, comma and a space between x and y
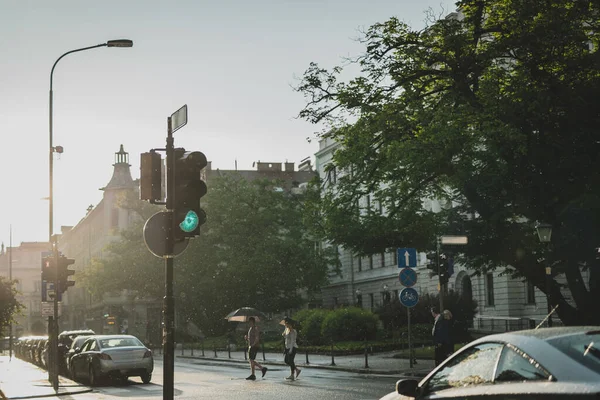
205, 380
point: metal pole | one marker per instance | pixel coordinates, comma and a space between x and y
439, 267
55, 331
410, 356
548, 288
366, 353
307, 362
10, 334
332, 357
168, 334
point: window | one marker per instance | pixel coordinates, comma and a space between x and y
359, 300
530, 293
372, 298
380, 207
368, 202
489, 290
382, 260
359, 263
474, 366
335, 302
371, 261
114, 218
515, 365
583, 348
395, 255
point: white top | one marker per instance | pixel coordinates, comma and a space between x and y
290, 338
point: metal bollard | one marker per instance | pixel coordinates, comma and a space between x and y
215, 350
192, 349
202, 347
263, 351
366, 354
182, 346
307, 362
229, 348
332, 356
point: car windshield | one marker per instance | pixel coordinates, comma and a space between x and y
78, 341
119, 342
584, 348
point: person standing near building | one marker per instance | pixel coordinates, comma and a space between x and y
440, 335
290, 335
253, 338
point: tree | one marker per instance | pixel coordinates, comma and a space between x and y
9, 305
254, 250
495, 113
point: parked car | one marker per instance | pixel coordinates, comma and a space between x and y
549, 363
75, 348
119, 356
65, 339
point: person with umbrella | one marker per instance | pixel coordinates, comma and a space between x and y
253, 339
290, 335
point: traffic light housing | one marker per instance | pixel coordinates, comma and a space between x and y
64, 272
48, 268
446, 264
432, 263
150, 176
188, 190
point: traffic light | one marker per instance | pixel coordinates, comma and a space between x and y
48, 269
445, 261
64, 272
188, 189
432, 263
150, 176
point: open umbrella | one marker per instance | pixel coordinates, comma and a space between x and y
292, 322
244, 313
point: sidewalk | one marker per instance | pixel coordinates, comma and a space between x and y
22, 380
378, 363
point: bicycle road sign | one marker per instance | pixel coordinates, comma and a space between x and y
408, 277
409, 297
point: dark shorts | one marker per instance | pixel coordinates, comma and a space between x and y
252, 353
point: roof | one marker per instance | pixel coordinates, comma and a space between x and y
550, 333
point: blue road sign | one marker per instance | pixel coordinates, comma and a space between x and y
409, 297
407, 257
408, 277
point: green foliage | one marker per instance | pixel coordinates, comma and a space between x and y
310, 322
495, 113
394, 316
9, 305
254, 250
349, 324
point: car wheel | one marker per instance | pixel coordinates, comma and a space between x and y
93, 376
146, 377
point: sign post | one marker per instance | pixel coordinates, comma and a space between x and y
409, 297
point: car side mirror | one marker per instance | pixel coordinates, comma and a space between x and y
77, 350
407, 387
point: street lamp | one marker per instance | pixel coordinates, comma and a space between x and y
544, 232
52, 325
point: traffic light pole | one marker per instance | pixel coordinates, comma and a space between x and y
169, 306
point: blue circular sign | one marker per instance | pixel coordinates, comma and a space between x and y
409, 297
408, 277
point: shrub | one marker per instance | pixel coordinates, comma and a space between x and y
311, 322
349, 324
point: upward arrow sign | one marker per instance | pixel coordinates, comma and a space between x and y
407, 258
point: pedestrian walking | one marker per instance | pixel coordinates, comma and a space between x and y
440, 335
253, 339
449, 348
290, 335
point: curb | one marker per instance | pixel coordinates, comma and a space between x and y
86, 390
314, 366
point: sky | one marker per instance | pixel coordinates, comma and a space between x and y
233, 62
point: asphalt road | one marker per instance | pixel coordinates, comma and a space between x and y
204, 380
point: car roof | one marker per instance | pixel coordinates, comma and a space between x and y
78, 332
114, 337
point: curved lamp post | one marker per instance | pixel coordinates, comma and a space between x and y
52, 325
544, 232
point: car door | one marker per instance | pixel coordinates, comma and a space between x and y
78, 360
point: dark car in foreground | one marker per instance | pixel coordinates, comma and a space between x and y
549, 363
117, 356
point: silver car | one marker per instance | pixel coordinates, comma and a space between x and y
119, 356
549, 363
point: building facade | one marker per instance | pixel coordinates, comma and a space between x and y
367, 281
26, 263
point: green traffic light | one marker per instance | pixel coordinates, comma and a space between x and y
190, 222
